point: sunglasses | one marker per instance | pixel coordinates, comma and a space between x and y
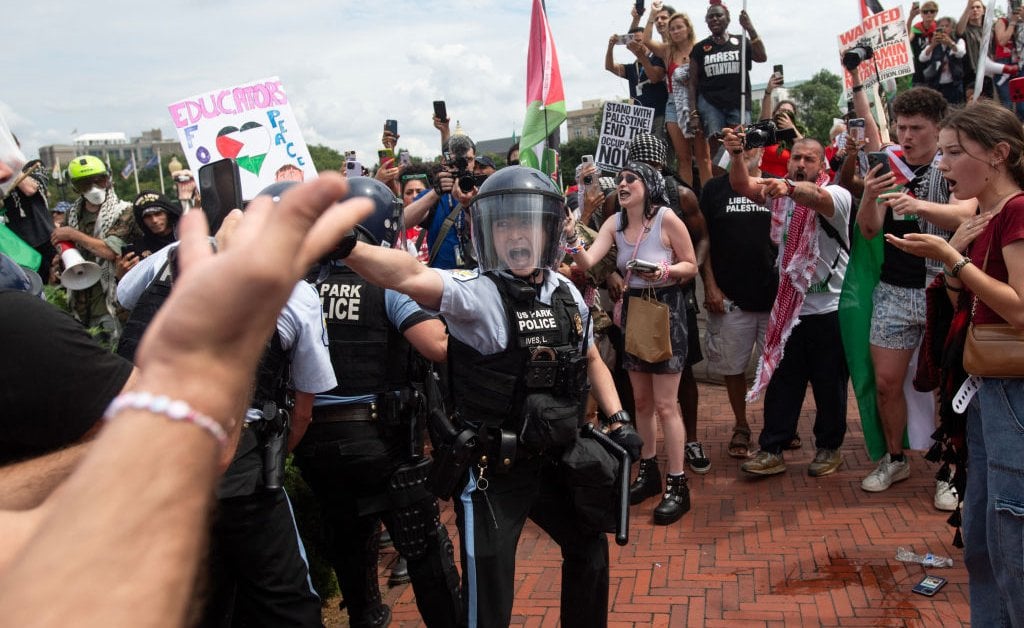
630, 179
410, 177
929, 11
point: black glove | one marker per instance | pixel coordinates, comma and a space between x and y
625, 436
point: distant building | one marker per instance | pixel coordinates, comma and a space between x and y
112, 145
582, 122
496, 147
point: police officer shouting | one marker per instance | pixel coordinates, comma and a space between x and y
361, 455
520, 351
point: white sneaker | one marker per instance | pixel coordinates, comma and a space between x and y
887, 472
945, 496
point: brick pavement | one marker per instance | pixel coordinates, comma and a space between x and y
776, 551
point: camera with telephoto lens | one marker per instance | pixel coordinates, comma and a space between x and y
465, 178
766, 133
857, 55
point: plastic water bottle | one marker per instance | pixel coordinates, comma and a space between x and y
928, 560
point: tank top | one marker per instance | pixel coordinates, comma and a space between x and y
651, 250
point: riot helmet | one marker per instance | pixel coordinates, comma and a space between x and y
386, 225
517, 221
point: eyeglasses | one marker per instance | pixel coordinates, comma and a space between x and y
410, 177
929, 11
630, 179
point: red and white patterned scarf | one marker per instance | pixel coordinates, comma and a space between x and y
797, 260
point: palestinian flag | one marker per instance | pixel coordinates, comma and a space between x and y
545, 97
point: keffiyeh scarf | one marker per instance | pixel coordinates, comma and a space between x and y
798, 258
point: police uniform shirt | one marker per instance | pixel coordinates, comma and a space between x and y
403, 313
300, 324
472, 308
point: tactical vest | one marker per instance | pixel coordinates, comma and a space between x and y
272, 372
369, 355
491, 389
145, 309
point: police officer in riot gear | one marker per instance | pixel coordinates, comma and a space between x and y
258, 575
520, 355
362, 454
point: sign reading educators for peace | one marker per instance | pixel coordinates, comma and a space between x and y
620, 122
886, 34
251, 123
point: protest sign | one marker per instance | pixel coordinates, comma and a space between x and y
886, 34
251, 123
619, 123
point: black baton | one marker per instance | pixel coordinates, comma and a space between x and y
622, 527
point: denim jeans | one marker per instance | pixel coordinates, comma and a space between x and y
715, 119
993, 525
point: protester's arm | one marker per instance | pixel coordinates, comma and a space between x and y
871, 213
757, 50
848, 173
692, 88
27, 484
585, 258
685, 267
81, 240
739, 176
655, 73
142, 494
444, 128
915, 10
862, 108
960, 49
657, 47
714, 298
943, 215
806, 193
609, 59
417, 211
766, 101
28, 186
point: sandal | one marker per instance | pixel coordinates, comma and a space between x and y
739, 445
796, 443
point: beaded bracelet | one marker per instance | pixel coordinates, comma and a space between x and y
577, 248
663, 271
174, 410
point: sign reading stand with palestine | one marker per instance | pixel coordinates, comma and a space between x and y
886, 34
619, 123
252, 123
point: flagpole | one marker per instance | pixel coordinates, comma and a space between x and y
160, 169
743, 69
135, 170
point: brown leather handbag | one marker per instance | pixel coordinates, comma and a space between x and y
993, 349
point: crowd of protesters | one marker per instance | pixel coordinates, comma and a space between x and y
770, 230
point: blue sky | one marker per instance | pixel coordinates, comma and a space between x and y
347, 65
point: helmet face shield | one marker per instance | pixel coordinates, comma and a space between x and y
518, 231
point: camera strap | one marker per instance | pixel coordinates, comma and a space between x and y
446, 226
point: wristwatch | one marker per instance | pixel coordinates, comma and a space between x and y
790, 186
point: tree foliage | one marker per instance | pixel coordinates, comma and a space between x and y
325, 157
818, 100
571, 154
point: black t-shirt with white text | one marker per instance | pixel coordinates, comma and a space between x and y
742, 254
718, 71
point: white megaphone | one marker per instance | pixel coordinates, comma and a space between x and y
79, 273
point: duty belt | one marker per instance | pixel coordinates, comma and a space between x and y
346, 412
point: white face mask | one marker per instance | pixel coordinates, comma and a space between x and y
95, 195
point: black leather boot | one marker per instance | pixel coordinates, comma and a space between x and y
676, 501
647, 482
